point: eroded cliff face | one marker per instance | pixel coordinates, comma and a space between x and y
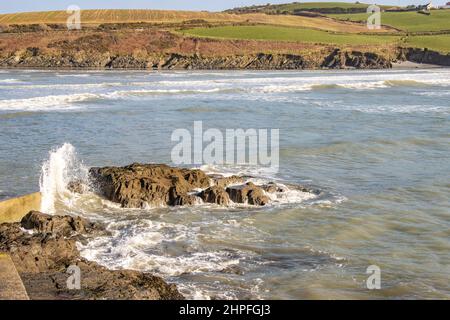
339, 59
163, 50
33, 58
424, 56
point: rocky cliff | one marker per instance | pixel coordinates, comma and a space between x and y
153, 48
424, 56
337, 59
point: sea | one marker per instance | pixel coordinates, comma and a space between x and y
376, 144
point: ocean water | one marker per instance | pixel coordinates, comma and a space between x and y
375, 143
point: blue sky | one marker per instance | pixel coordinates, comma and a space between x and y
210, 5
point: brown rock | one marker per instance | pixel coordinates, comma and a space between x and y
56, 225
135, 185
215, 195
99, 283
248, 193
43, 256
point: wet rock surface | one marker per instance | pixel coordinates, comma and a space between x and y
44, 246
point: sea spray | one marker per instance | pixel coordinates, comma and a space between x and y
61, 167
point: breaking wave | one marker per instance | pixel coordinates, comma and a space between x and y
53, 102
10, 81
58, 170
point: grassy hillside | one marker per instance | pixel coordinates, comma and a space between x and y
439, 43
159, 16
289, 34
340, 29
408, 21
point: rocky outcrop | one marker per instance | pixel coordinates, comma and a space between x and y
141, 185
43, 247
144, 185
57, 225
97, 59
260, 61
339, 59
424, 56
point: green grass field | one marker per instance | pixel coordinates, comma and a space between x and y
299, 6
439, 43
407, 21
288, 34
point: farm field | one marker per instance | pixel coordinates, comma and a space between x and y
160, 16
289, 34
411, 21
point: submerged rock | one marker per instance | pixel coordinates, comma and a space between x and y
272, 187
44, 246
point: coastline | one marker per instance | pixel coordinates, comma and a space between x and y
334, 59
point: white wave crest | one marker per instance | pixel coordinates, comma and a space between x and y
61, 168
10, 81
58, 102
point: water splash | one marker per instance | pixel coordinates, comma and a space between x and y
61, 167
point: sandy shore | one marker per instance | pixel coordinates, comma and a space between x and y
414, 65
